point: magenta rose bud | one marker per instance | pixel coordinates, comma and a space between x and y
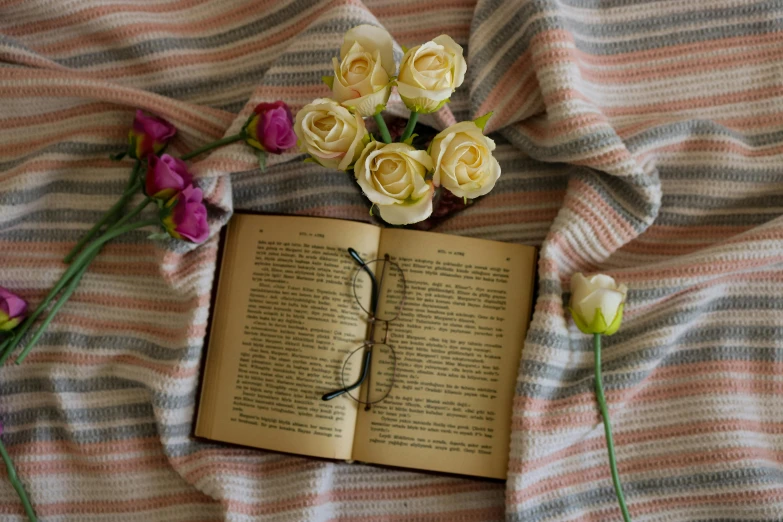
12, 310
149, 135
166, 176
270, 128
184, 216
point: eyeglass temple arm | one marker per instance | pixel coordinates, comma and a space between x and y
374, 298
365, 370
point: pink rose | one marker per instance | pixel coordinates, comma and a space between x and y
166, 176
184, 216
149, 135
12, 310
270, 128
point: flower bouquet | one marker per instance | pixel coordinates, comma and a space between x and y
400, 180
163, 181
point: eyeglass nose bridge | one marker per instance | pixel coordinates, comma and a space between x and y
373, 321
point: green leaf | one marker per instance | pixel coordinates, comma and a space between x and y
158, 236
328, 80
464, 200
481, 121
262, 161
409, 141
118, 156
372, 207
404, 49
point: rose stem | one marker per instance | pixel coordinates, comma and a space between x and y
410, 126
382, 128
17, 483
130, 189
213, 145
599, 391
109, 234
7, 341
81, 264
75, 280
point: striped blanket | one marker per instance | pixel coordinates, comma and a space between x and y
642, 139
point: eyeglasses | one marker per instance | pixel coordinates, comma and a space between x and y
378, 359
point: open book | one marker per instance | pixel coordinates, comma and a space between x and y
287, 314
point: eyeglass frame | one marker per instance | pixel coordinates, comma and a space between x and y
369, 341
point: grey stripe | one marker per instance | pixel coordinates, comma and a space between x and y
76, 416
718, 173
581, 145
58, 385
247, 31
715, 219
103, 344
745, 479
615, 191
7, 41
55, 235
67, 148
138, 430
170, 401
55, 385
716, 203
64, 188
176, 430
693, 127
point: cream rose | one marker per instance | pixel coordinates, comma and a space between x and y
597, 303
429, 73
330, 134
464, 164
392, 176
362, 76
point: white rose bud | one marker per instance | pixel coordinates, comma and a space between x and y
597, 303
330, 134
464, 164
362, 77
429, 73
392, 176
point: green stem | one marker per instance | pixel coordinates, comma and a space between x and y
132, 214
116, 230
17, 483
215, 144
7, 341
599, 391
74, 276
382, 128
75, 280
410, 126
130, 189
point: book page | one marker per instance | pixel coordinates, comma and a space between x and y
458, 343
285, 316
